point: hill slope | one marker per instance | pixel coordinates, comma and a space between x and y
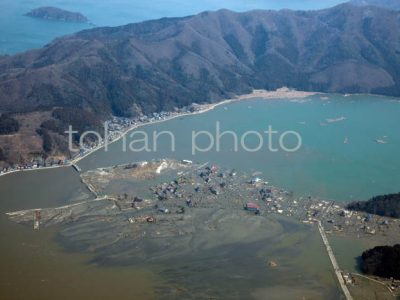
158, 65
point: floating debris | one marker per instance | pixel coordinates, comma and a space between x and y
382, 140
334, 120
272, 264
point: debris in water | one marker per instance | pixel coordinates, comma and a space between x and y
334, 120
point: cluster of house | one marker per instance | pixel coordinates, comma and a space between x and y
35, 164
333, 215
116, 127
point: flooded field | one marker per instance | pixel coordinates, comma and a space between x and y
199, 254
34, 266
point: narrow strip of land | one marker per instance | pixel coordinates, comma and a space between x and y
335, 265
32, 210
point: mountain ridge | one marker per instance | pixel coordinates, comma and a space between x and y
389, 4
161, 64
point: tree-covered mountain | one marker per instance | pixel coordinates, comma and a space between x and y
158, 65
386, 205
383, 261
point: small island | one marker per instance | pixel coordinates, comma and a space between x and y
56, 14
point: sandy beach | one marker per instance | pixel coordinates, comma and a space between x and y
282, 93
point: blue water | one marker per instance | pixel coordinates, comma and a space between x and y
19, 33
325, 166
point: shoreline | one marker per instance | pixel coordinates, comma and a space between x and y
283, 93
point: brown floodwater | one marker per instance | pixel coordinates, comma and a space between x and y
34, 266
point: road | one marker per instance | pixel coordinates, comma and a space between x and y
335, 265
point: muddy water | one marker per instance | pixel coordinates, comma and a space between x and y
348, 252
242, 271
43, 188
33, 266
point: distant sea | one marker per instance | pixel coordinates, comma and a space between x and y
19, 33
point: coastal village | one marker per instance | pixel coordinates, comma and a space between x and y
118, 127
146, 206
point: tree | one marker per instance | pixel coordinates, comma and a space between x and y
8, 125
